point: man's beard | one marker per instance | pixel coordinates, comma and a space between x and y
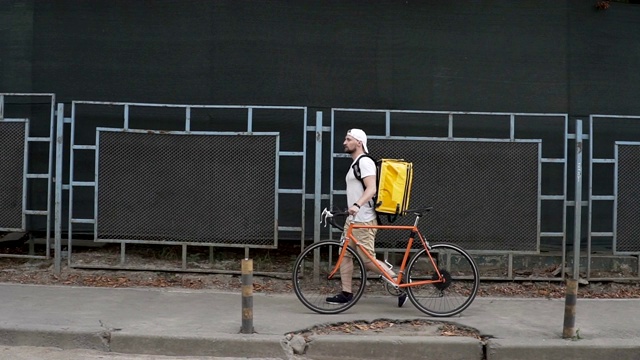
349, 151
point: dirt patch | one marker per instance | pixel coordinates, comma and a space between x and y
272, 269
392, 327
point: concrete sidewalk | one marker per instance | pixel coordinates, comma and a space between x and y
207, 323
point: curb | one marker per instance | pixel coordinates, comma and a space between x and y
394, 347
222, 345
63, 339
326, 347
254, 345
596, 349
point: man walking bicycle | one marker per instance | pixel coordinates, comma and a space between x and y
360, 196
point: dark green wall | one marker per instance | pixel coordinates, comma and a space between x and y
520, 56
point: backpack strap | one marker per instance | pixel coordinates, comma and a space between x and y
356, 168
358, 174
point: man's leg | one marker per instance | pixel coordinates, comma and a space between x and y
346, 273
346, 267
366, 237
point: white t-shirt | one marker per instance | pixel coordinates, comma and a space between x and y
355, 188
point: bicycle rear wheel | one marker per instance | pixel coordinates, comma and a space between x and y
446, 298
310, 277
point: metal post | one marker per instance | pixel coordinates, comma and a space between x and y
317, 191
123, 253
58, 191
184, 256
317, 196
578, 212
247, 296
571, 295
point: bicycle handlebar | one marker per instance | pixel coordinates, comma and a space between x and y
327, 217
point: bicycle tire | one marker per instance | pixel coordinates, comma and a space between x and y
312, 289
456, 293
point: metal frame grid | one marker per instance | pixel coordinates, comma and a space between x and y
24, 160
601, 197
595, 161
126, 108
618, 249
47, 213
97, 237
513, 118
531, 247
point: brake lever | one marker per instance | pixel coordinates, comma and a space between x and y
325, 214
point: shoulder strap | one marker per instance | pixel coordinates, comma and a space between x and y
356, 167
358, 174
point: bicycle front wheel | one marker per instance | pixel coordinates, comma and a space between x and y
461, 280
311, 281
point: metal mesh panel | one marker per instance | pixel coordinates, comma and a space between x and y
210, 189
628, 200
12, 137
484, 194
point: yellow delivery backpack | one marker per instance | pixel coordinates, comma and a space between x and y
395, 177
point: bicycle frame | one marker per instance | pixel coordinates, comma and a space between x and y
396, 282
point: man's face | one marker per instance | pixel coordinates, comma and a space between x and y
350, 144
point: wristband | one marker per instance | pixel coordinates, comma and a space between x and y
356, 205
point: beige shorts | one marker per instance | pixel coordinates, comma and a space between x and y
365, 237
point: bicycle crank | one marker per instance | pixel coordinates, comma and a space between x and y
391, 289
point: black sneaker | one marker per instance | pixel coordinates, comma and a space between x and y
341, 298
402, 299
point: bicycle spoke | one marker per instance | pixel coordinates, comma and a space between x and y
311, 282
455, 293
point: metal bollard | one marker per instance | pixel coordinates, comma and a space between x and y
571, 296
247, 296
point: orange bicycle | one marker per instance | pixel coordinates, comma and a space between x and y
441, 279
